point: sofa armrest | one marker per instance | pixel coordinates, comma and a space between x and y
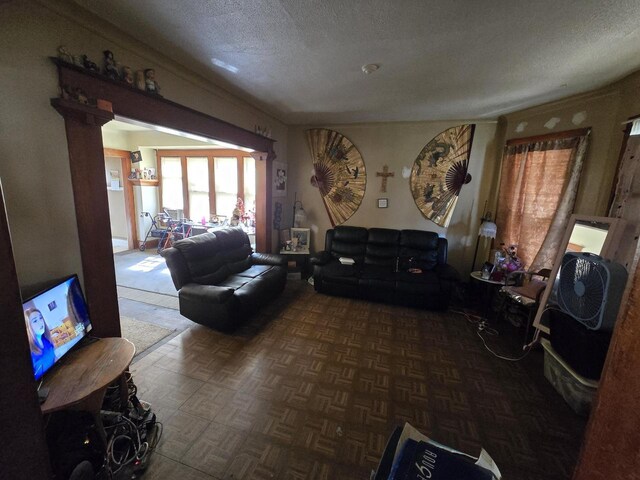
177, 266
320, 258
268, 259
447, 272
205, 293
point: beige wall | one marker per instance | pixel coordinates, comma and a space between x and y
397, 145
34, 167
117, 219
597, 110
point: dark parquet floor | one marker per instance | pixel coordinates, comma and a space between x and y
314, 385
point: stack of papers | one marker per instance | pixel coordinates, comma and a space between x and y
417, 456
347, 261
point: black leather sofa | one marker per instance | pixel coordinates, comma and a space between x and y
220, 281
383, 258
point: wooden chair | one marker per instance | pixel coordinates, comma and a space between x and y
521, 296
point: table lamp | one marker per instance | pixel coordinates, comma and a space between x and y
487, 229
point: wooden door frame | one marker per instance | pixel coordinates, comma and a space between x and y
86, 157
129, 202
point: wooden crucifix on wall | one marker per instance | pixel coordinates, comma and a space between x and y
385, 173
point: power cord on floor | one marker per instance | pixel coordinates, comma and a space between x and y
483, 327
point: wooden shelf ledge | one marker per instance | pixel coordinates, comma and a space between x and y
153, 183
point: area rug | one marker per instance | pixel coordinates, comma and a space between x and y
142, 334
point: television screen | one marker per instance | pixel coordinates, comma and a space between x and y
56, 319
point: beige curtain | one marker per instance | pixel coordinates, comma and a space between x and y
537, 193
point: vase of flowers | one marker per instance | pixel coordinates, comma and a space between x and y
506, 261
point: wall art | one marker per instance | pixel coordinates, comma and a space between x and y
338, 173
440, 171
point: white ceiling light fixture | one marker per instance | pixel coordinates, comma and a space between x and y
370, 68
225, 65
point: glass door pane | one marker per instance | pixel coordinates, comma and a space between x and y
226, 175
249, 184
198, 182
171, 179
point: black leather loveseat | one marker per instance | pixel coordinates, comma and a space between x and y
220, 281
383, 258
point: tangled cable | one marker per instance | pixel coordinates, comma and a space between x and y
132, 432
483, 326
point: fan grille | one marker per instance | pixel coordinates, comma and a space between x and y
582, 290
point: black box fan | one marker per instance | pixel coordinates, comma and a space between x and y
590, 289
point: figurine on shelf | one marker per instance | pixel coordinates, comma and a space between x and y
89, 65
110, 68
140, 82
150, 81
64, 55
127, 75
81, 97
66, 92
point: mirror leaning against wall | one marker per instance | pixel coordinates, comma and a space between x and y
585, 234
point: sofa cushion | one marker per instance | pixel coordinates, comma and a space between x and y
254, 271
335, 272
418, 249
382, 247
425, 283
349, 242
238, 259
213, 278
202, 261
377, 272
234, 281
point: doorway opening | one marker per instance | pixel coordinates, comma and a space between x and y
164, 185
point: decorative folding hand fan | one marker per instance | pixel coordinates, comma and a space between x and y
440, 171
339, 173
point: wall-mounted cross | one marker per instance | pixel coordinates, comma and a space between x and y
385, 173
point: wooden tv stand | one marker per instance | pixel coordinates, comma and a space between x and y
82, 378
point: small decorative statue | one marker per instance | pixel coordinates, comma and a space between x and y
64, 55
89, 65
81, 97
127, 75
237, 214
150, 81
110, 69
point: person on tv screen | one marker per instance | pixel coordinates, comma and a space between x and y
42, 354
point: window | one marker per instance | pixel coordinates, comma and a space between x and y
226, 187
203, 183
249, 184
198, 182
171, 171
538, 187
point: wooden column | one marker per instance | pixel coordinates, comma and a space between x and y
611, 447
84, 137
264, 185
23, 450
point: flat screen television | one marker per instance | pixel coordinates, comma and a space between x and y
56, 319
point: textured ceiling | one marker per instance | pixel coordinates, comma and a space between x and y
451, 59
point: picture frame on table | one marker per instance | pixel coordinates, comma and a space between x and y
301, 239
279, 179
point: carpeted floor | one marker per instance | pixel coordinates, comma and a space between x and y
142, 334
314, 385
144, 271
